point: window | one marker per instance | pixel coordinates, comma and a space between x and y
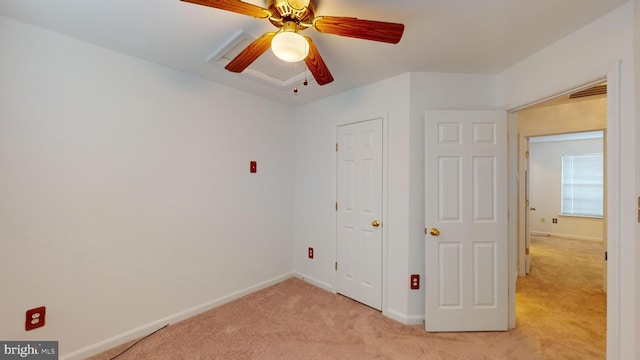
582, 185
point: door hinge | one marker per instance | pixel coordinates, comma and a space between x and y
606, 256
526, 154
425, 231
336, 266
526, 251
336, 206
336, 147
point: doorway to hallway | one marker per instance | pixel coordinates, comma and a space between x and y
550, 256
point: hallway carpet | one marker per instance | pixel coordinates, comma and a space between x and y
561, 303
560, 315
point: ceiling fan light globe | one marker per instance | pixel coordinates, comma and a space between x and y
290, 46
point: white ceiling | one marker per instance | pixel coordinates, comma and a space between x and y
457, 36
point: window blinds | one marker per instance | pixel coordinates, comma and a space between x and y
582, 185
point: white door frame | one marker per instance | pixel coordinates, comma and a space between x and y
523, 209
385, 200
524, 213
613, 204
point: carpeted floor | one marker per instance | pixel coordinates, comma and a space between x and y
560, 314
561, 303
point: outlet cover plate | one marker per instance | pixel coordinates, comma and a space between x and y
35, 318
415, 282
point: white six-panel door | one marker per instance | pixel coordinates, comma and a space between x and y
528, 206
466, 250
359, 211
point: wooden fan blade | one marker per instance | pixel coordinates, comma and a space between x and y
250, 53
235, 6
316, 65
361, 29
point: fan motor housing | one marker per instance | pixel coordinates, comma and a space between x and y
285, 10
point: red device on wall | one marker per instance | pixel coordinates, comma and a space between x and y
35, 318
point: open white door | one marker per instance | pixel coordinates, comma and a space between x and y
525, 181
605, 222
359, 222
466, 251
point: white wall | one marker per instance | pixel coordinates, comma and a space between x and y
403, 101
583, 56
636, 44
576, 115
127, 184
431, 91
315, 182
545, 190
126, 194
571, 116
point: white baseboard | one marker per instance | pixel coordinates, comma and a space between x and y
567, 236
403, 318
392, 314
172, 319
415, 320
315, 282
539, 233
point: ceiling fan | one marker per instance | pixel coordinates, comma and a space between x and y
293, 16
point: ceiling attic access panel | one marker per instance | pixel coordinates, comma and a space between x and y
267, 69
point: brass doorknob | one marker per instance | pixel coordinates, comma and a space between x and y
434, 232
375, 223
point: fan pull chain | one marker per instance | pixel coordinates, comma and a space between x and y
295, 69
305, 82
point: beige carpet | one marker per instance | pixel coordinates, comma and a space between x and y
560, 314
561, 303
